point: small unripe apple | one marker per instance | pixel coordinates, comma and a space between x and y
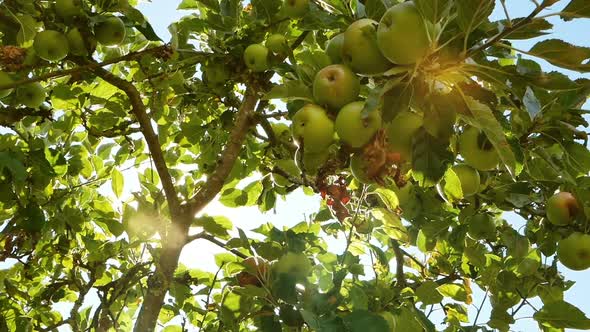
31, 95
352, 128
360, 50
335, 86
334, 48
313, 128
402, 35
77, 43
482, 226
477, 150
561, 208
574, 251
5, 79
110, 31
51, 45
280, 129
401, 131
468, 177
256, 57
295, 9
277, 43
312, 161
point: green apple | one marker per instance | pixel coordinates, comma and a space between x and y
312, 161
482, 226
277, 43
352, 128
334, 48
31, 95
335, 86
295, 8
67, 9
296, 265
561, 208
468, 177
360, 50
358, 168
390, 319
280, 129
77, 43
312, 127
216, 73
51, 45
477, 150
401, 131
110, 31
402, 35
5, 79
574, 251
289, 166
256, 57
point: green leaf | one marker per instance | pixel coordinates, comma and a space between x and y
563, 54
172, 328
217, 226
428, 293
434, 10
452, 185
117, 182
365, 321
471, 14
16, 168
392, 224
562, 315
291, 90
430, 158
576, 9
388, 197
483, 118
531, 103
454, 291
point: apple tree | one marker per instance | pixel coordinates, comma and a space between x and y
418, 125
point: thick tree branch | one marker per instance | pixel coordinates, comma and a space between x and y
91, 66
228, 157
139, 110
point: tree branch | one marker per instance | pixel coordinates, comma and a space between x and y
507, 31
216, 242
91, 66
228, 157
399, 259
139, 110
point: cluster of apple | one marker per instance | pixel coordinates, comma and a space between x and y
366, 48
54, 45
574, 250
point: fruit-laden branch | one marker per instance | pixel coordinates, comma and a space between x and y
508, 30
139, 110
86, 66
228, 158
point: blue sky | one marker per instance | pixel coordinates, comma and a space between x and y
162, 12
